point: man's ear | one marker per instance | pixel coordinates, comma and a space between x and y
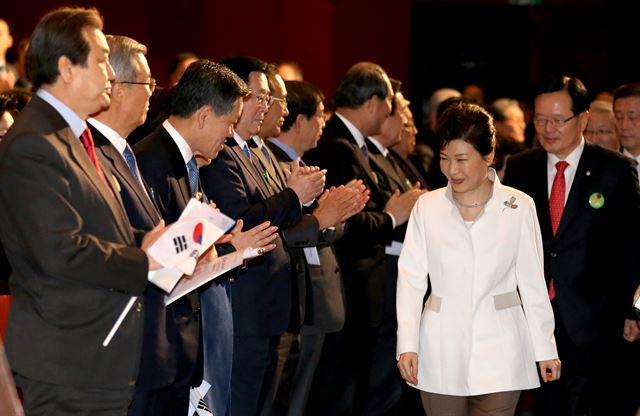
297, 125
202, 114
117, 91
369, 105
65, 69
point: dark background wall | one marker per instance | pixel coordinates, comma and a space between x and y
427, 44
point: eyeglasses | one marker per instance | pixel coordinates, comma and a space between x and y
151, 84
555, 122
598, 132
262, 98
282, 101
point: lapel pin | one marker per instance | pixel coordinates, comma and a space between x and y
510, 203
596, 200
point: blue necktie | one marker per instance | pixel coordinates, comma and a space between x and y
131, 161
245, 149
365, 151
266, 153
192, 169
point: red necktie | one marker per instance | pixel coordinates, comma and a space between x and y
87, 142
556, 206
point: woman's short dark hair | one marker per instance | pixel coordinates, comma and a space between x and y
207, 83
302, 98
470, 123
60, 33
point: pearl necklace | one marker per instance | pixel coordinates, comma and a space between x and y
476, 205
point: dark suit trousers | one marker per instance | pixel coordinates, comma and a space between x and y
254, 366
386, 395
587, 385
44, 399
167, 401
301, 355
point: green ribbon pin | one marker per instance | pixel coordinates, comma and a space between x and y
596, 200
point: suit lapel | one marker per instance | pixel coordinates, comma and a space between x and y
250, 168
120, 168
342, 131
113, 201
579, 189
281, 156
384, 167
540, 192
269, 173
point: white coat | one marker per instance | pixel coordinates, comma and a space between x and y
475, 335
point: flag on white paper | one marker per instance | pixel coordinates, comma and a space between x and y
197, 405
198, 227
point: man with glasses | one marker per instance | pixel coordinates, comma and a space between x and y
128, 109
586, 199
601, 129
263, 302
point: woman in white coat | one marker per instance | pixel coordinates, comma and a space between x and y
488, 319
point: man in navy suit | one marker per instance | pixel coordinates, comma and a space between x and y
589, 250
206, 105
263, 295
129, 104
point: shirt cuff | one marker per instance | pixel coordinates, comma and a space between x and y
393, 220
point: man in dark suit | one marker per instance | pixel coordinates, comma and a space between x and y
129, 103
387, 393
363, 102
263, 304
290, 133
586, 198
405, 147
206, 104
74, 255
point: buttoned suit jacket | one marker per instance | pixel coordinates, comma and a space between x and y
157, 363
591, 258
304, 233
74, 258
161, 164
262, 292
361, 251
326, 281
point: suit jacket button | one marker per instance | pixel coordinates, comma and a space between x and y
138, 307
553, 254
196, 311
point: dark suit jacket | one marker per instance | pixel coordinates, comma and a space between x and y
162, 166
157, 364
591, 257
305, 233
410, 170
361, 251
390, 179
262, 292
75, 264
325, 279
